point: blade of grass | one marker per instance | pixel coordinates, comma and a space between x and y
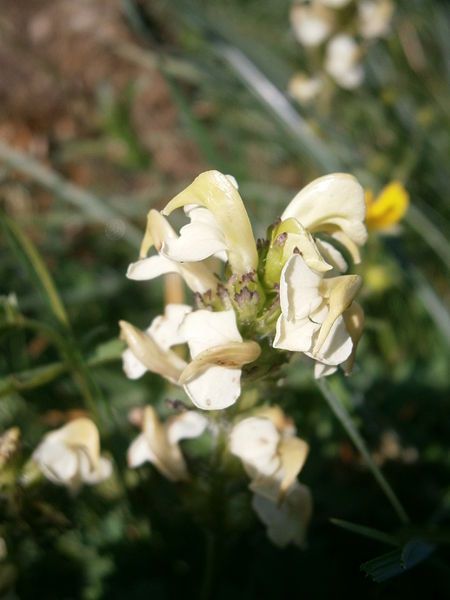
31, 259
369, 532
345, 420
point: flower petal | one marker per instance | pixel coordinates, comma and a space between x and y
188, 425
296, 336
233, 355
140, 452
299, 289
198, 240
215, 388
204, 329
165, 329
337, 346
255, 441
132, 367
149, 353
332, 204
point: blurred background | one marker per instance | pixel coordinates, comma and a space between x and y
108, 109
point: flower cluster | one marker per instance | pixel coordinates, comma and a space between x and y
254, 306
335, 35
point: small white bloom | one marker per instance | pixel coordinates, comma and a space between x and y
70, 455
312, 24
150, 350
159, 442
334, 3
287, 521
305, 89
374, 18
342, 61
333, 204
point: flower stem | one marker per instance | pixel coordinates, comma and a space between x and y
344, 418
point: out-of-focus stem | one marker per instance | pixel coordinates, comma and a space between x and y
344, 418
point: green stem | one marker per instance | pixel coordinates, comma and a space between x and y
344, 418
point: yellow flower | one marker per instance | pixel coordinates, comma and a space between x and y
388, 208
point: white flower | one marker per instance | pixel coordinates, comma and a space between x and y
159, 233
312, 24
159, 442
70, 455
271, 453
219, 223
374, 18
150, 350
335, 205
286, 521
311, 318
305, 89
212, 379
342, 61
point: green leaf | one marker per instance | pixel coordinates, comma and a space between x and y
30, 258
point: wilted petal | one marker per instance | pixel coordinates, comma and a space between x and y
332, 204
216, 192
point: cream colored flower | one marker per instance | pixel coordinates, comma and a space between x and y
334, 3
70, 455
159, 233
333, 204
312, 24
271, 453
375, 18
151, 350
342, 61
219, 224
312, 314
286, 521
159, 442
212, 379
305, 89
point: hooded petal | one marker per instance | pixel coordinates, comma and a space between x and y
216, 192
332, 204
150, 354
337, 346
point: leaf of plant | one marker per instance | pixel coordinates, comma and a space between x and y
369, 532
398, 561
